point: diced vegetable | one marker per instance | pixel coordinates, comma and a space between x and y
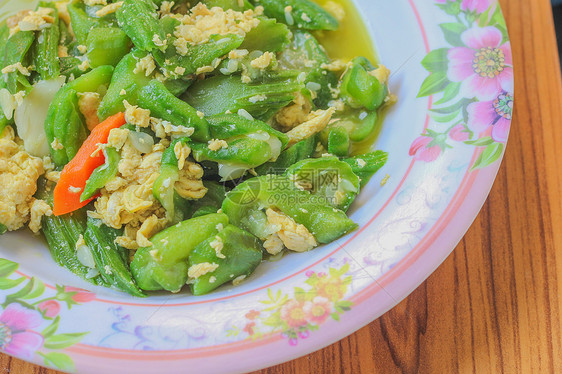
236, 252
302, 14
75, 174
45, 53
365, 166
16, 51
162, 104
328, 178
102, 174
164, 264
217, 95
107, 46
361, 89
248, 199
111, 260
137, 18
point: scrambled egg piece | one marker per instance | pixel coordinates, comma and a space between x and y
19, 172
287, 233
88, 103
382, 73
294, 114
135, 115
30, 20
146, 65
198, 270
315, 123
127, 200
263, 61
190, 184
216, 144
109, 9
202, 22
218, 246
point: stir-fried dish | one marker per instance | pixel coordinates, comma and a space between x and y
158, 144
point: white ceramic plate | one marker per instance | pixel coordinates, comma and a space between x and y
453, 74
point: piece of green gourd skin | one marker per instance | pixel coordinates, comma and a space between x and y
306, 54
268, 36
339, 142
82, 23
62, 246
228, 4
163, 266
246, 152
70, 67
244, 206
331, 180
46, 47
107, 46
113, 268
67, 128
163, 188
139, 20
227, 126
124, 80
3, 229
219, 94
242, 255
197, 56
66, 37
366, 165
4, 34
94, 81
16, 51
62, 233
305, 14
211, 202
359, 89
300, 151
203, 211
163, 104
102, 174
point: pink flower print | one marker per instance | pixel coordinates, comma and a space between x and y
317, 310
81, 296
459, 133
422, 151
478, 6
16, 338
494, 115
484, 67
50, 308
292, 313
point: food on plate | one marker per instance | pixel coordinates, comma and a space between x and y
159, 144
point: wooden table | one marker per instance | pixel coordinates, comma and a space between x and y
494, 305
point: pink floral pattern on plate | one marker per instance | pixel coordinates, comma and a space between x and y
474, 78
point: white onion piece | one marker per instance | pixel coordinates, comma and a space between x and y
31, 114
275, 145
260, 135
85, 256
92, 273
231, 171
8, 103
141, 141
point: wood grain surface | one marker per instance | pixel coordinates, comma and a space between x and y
495, 304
